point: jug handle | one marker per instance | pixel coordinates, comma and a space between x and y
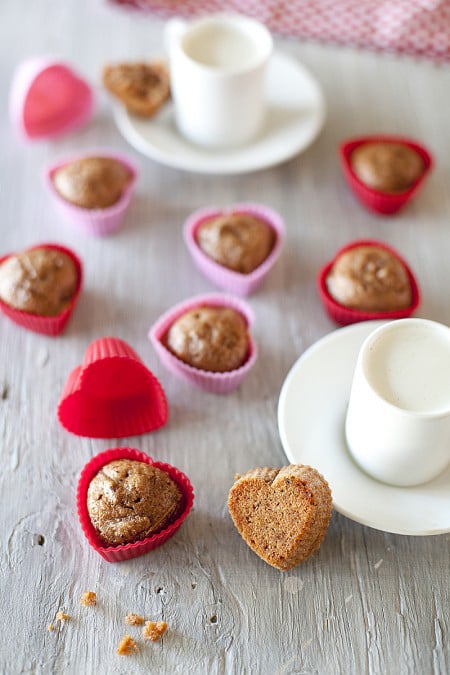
173, 30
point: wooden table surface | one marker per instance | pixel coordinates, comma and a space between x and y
368, 602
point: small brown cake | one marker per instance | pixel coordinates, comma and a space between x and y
129, 500
371, 279
387, 167
142, 87
92, 182
210, 338
40, 281
282, 514
238, 241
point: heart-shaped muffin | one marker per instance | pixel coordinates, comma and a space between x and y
282, 514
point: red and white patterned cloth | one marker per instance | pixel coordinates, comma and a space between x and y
417, 27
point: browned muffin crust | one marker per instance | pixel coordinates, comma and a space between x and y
210, 338
142, 87
388, 167
282, 514
41, 281
129, 500
92, 182
238, 241
371, 279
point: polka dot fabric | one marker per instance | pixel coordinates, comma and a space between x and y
419, 28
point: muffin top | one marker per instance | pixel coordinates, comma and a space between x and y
142, 87
387, 167
371, 279
41, 281
92, 182
129, 500
238, 241
210, 338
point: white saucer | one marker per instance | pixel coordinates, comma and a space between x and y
296, 116
311, 413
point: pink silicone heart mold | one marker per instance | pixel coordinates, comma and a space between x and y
112, 394
46, 325
98, 222
137, 548
48, 98
230, 280
215, 383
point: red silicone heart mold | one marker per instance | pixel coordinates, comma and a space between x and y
46, 325
137, 548
346, 315
112, 394
382, 202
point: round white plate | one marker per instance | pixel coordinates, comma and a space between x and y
311, 414
296, 115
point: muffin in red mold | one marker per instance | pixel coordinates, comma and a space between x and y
47, 324
383, 202
126, 551
344, 314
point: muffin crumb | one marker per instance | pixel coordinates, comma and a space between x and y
50, 627
61, 616
154, 630
134, 619
89, 599
126, 646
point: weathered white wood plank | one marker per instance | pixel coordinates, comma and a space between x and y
369, 602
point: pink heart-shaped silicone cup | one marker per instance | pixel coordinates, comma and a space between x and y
112, 394
229, 280
48, 98
97, 222
212, 382
46, 325
137, 548
382, 202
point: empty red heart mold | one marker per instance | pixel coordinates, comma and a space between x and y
137, 548
112, 394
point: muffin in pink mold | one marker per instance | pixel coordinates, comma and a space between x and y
206, 341
92, 190
236, 247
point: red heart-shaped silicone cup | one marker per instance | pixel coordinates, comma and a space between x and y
137, 548
112, 394
382, 202
47, 325
346, 315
